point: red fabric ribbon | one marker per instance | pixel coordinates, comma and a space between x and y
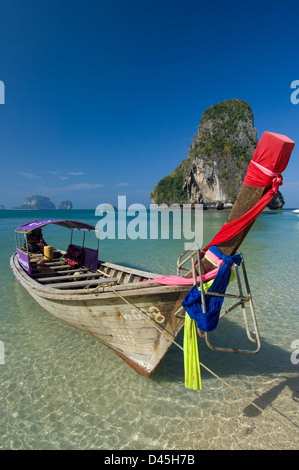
270, 159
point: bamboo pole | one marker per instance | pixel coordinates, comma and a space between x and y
247, 198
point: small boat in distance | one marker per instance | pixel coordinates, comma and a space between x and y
296, 211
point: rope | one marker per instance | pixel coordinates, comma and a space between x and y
164, 331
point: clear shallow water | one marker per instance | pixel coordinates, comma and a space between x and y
61, 389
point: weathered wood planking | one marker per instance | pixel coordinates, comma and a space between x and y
140, 333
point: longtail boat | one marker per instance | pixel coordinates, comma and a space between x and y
139, 314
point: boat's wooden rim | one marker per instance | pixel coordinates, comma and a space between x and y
102, 291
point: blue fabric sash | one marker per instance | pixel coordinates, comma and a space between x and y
192, 302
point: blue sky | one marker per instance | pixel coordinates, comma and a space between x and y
103, 98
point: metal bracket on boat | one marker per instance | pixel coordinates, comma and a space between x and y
242, 300
181, 261
180, 266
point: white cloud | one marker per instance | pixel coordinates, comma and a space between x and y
64, 174
28, 175
83, 186
123, 184
65, 189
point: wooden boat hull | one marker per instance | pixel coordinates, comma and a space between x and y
140, 330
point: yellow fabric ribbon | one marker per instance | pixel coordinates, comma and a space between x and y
191, 359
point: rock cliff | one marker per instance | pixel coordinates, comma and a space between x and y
36, 203
217, 162
65, 205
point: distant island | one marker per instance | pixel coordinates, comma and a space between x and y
217, 162
42, 203
65, 205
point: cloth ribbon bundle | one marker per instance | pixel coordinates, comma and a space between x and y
192, 302
269, 160
205, 321
191, 358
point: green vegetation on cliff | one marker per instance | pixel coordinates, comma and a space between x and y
220, 129
170, 190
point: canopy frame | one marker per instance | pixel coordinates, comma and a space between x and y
70, 224
22, 247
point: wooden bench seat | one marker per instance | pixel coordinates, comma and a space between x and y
58, 273
78, 284
67, 278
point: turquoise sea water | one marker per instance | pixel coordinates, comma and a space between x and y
61, 389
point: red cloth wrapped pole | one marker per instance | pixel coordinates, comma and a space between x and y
270, 159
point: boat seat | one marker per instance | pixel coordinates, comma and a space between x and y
74, 255
89, 282
69, 278
67, 270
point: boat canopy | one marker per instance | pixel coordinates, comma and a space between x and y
71, 224
89, 255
